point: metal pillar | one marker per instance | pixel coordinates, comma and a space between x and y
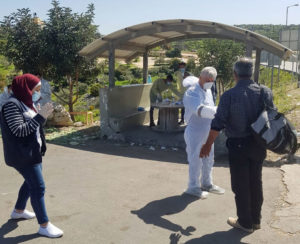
111, 66
145, 67
272, 74
257, 65
278, 74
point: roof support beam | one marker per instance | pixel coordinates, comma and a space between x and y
111, 66
132, 47
257, 65
248, 52
145, 67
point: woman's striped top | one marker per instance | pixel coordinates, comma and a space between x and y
16, 123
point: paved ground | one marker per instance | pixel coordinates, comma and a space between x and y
110, 193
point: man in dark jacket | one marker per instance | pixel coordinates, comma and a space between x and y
239, 107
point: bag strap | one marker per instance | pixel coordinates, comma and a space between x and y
263, 100
262, 97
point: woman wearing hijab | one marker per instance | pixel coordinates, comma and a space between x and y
24, 145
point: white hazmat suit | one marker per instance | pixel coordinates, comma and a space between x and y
199, 112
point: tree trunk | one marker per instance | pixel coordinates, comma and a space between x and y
70, 103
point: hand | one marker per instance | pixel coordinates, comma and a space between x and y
205, 150
45, 110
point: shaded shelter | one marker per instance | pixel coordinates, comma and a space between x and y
137, 40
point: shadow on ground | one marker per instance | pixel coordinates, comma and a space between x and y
232, 236
154, 211
88, 139
10, 226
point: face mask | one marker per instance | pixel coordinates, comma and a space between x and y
207, 85
36, 96
182, 70
169, 83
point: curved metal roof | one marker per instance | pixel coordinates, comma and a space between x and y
136, 40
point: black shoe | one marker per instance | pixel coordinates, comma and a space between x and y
152, 124
181, 122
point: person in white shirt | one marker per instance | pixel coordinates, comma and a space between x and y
199, 112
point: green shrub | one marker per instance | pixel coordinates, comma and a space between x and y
94, 89
173, 53
174, 64
191, 65
136, 72
159, 61
83, 88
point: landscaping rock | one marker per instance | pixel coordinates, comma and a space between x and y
59, 117
78, 124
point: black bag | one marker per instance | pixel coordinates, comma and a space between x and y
274, 131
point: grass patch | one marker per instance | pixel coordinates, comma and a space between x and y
281, 87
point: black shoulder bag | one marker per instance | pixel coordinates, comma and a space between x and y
274, 131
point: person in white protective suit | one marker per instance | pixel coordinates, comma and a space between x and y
199, 112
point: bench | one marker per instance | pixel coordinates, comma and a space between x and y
87, 114
129, 120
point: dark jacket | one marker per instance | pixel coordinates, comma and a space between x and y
20, 152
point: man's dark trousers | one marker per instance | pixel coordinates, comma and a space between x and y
245, 159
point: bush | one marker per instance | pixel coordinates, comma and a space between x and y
174, 64
82, 88
191, 65
136, 72
173, 53
94, 89
159, 61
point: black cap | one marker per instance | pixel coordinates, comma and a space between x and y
170, 77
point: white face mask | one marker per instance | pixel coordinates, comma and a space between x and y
207, 85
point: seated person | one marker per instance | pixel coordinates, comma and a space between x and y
159, 86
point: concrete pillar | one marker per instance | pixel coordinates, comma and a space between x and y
111, 66
249, 49
257, 65
145, 67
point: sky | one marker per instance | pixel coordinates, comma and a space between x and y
112, 15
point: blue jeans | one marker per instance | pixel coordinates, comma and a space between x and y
33, 187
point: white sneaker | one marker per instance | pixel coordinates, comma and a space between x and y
50, 231
25, 215
197, 192
214, 189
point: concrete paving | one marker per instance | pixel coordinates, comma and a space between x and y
114, 193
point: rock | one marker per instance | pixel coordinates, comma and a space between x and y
59, 117
152, 148
117, 137
78, 124
74, 143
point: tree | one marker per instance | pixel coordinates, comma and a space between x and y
65, 34
220, 54
173, 53
21, 41
51, 47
